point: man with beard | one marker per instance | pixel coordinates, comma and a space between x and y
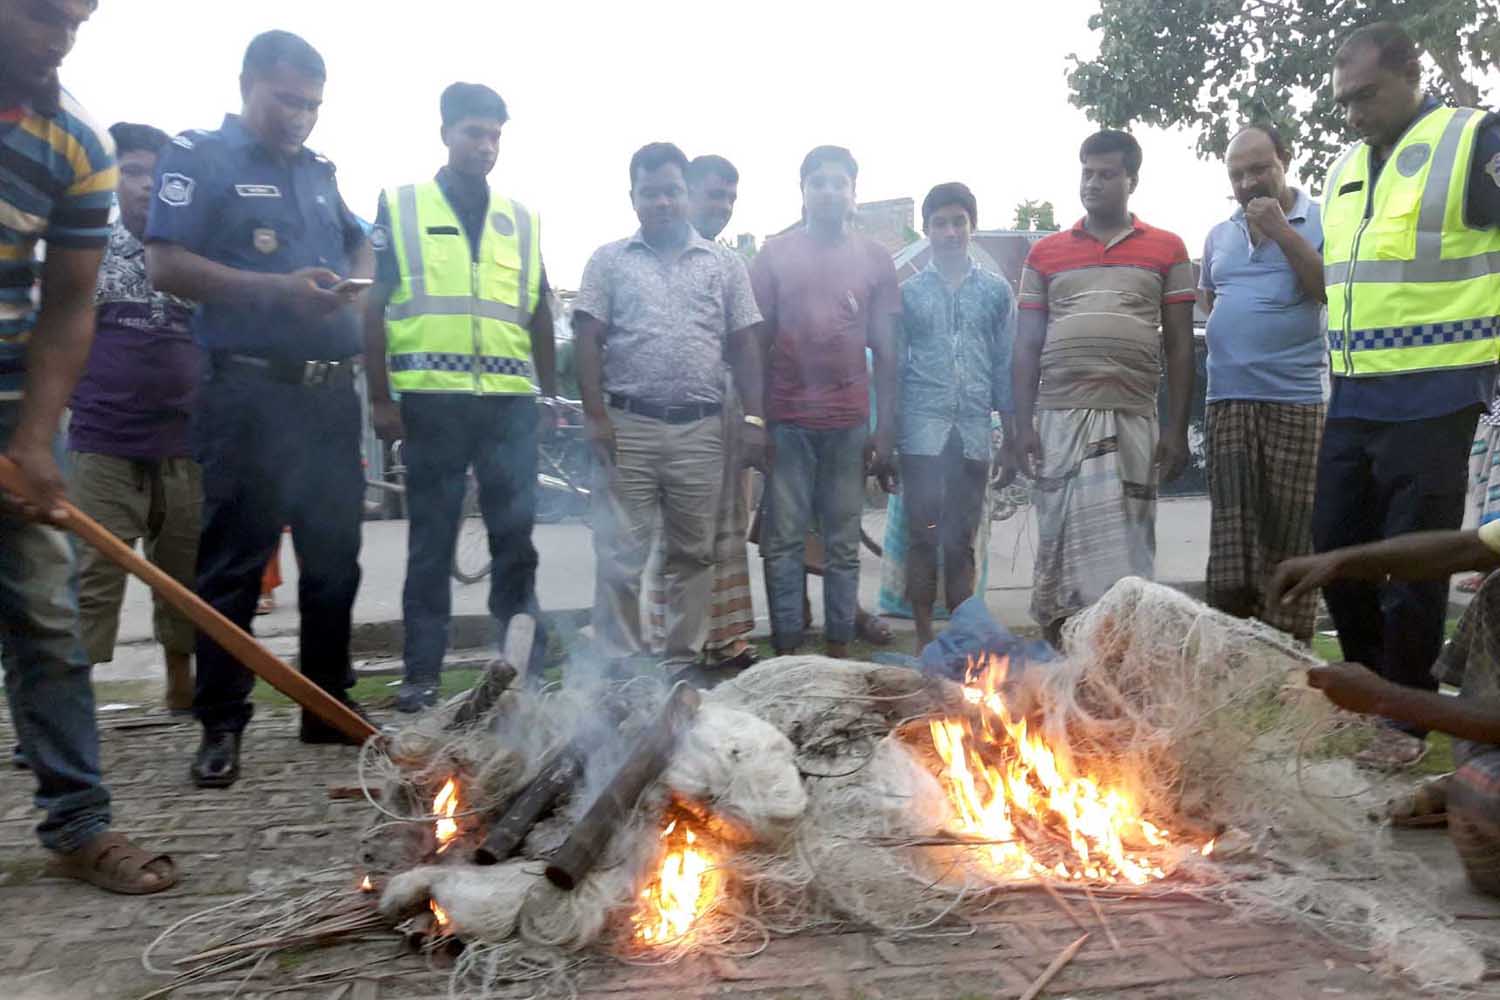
57, 181
1262, 287
248, 222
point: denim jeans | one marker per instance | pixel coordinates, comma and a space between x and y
446, 433
275, 454
817, 481
47, 682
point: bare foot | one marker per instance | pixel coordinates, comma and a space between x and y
836, 650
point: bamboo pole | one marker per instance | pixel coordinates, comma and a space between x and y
235, 640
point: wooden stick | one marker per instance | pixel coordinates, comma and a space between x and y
1062, 904
1114, 942
235, 640
515, 821
582, 849
1051, 971
482, 696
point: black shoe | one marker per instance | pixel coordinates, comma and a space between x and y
315, 731
18, 759
217, 764
414, 698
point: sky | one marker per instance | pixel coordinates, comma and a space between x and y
921, 92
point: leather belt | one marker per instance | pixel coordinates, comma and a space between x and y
319, 374
683, 413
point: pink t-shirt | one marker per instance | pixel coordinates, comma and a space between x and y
817, 301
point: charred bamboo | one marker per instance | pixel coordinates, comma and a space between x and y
510, 827
483, 696
584, 846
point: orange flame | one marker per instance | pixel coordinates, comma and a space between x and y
438, 914
1208, 848
685, 885
1029, 790
365, 885
444, 806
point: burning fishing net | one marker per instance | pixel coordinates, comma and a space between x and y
1171, 748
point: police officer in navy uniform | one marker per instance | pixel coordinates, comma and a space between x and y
249, 223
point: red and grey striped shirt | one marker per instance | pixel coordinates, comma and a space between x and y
1103, 305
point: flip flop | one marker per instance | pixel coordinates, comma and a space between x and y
111, 862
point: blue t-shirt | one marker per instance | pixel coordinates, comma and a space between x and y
224, 196
1266, 340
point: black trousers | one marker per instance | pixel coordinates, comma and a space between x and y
1378, 480
274, 455
944, 499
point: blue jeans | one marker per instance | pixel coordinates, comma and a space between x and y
446, 433
275, 454
817, 482
47, 682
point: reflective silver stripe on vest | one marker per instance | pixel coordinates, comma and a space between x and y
1439, 181
438, 361
454, 305
411, 240
523, 234
1395, 272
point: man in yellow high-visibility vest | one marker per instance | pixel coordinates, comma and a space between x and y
1412, 268
460, 326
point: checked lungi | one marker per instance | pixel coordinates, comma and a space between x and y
1471, 662
1262, 470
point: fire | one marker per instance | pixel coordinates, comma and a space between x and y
1006, 785
438, 913
365, 885
683, 888
444, 806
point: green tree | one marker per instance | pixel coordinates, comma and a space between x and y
1036, 215
1209, 65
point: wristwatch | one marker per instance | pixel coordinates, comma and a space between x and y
755, 421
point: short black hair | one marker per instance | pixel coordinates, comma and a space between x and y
1112, 140
132, 138
711, 165
471, 100
270, 48
950, 193
1270, 131
1392, 44
655, 155
829, 154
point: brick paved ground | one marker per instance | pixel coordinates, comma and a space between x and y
62, 940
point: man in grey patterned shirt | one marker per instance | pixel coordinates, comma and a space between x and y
655, 318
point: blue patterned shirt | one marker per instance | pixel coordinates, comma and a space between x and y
957, 365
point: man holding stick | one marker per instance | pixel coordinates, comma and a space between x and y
57, 182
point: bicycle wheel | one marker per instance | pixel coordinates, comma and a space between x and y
471, 556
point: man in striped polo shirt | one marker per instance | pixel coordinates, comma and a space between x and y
1098, 303
57, 182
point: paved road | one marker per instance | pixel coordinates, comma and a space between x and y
566, 578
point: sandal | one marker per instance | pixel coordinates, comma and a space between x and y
111, 862
1423, 806
872, 629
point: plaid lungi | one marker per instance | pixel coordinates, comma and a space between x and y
731, 615
1262, 470
1095, 500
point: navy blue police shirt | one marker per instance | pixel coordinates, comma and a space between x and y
225, 197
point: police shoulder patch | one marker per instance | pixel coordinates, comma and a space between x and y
176, 190
1492, 168
380, 238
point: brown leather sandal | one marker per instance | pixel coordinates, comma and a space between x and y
111, 862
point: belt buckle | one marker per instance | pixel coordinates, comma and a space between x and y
316, 372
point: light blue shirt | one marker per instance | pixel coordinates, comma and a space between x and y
1266, 340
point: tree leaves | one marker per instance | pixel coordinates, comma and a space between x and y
1213, 65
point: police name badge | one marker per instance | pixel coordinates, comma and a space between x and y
265, 241
176, 190
1493, 169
